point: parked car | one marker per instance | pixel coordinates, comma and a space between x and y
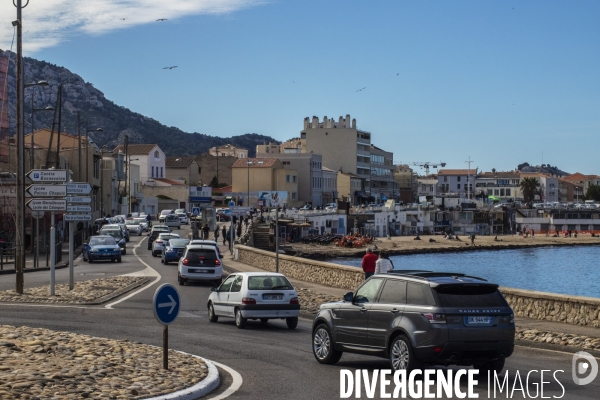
117, 234
183, 218
306, 207
101, 248
419, 318
172, 221
174, 250
161, 241
156, 230
256, 296
331, 207
163, 214
134, 226
200, 263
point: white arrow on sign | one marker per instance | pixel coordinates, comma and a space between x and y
79, 208
48, 175
47, 205
79, 188
47, 190
77, 217
171, 304
78, 199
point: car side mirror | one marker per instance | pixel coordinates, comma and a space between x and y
349, 297
215, 289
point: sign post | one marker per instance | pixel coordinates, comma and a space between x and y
36, 253
52, 254
166, 304
71, 253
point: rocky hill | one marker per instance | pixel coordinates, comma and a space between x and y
116, 121
544, 169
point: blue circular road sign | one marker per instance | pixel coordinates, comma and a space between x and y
166, 303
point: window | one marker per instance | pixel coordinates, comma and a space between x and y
458, 186
467, 296
367, 292
161, 172
394, 291
294, 178
156, 154
227, 284
419, 294
508, 192
445, 179
496, 192
293, 195
236, 286
152, 172
269, 283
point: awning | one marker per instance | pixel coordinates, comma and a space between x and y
361, 194
229, 198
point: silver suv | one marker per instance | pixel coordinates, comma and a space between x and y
419, 318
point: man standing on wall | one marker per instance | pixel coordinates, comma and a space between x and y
368, 263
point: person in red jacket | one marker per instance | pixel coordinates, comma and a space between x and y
368, 263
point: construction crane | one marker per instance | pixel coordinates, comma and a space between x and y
424, 164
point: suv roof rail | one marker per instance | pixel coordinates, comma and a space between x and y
431, 274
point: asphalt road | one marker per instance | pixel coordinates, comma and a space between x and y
275, 362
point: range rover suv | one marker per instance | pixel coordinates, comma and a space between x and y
419, 318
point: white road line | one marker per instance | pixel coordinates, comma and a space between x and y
552, 351
235, 385
149, 271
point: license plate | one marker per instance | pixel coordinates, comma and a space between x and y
202, 271
478, 320
273, 297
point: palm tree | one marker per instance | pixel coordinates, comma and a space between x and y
529, 188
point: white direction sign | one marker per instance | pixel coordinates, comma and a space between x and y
48, 175
79, 188
78, 199
72, 208
47, 205
77, 217
47, 190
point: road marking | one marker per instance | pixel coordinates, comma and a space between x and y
552, 351
149, 271
235, 385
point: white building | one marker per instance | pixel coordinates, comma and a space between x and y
149, 157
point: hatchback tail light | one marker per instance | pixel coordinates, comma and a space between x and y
185, 262
158, 241
248, 300
217, 262
435, 318
294, 300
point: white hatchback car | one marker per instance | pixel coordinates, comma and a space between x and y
200, 263
161, 241
172, 221
255, 295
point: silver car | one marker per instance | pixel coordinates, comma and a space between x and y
161, 241
133, 226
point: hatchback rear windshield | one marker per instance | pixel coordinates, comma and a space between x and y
112, 232
179, 242
102, 241
200, 256
269, 283
470, 296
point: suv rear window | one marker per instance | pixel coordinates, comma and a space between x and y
269, 283
470, 296
418, 294
200, 256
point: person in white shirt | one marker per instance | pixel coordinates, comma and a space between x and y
383, 264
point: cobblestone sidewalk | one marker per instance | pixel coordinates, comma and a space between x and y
89, 292
44, 364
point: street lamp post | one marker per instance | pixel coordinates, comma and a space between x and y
87, 152
129, 198
102, 151
248, 163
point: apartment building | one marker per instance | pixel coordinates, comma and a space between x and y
228, 150
581, 184
427, 186
456, 182
183, 168
149, 157
502, 185
548, 186
351, 188
406, 183
330, 193
382, 174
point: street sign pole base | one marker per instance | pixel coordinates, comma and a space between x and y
166, 347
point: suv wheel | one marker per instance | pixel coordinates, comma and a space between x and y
402, 356
323, 347
240, 321
212, 317
496, 365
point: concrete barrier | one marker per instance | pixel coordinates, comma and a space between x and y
574, 310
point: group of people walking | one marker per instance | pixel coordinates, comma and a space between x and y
373, 264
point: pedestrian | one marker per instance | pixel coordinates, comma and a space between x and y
246, 221
473, 240
205, 231
368, 263
217, 234
224, 232
239, 229
383, 264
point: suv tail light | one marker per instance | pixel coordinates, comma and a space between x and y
435, 318
217, 262
248, 300
294, 300
185, 262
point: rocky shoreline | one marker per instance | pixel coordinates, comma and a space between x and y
40, 364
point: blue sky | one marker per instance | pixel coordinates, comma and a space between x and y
502, 82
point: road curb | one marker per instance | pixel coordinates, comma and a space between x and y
61, 265
202, 388
554, 347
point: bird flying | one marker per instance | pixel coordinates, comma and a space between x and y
174, 66
122, 19
360, 90
162, 19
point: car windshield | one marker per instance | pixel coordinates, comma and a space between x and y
181, 215
131, 222
140, 220
199, 256
102, 241
165, 212
470, 296
269, 283
112, 232
167, 236
172, 218
179, 242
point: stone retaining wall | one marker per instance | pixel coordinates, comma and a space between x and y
574, 310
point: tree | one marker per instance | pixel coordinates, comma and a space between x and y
213, 183
521, 166
529, 188
593, 193
493, 170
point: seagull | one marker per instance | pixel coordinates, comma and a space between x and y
122, 19
174, 66
162, 19
294, 81
398, 74
360, 90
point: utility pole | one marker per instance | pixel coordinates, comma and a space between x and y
79, 145
469, 178
20, 220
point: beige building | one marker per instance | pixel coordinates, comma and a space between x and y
213, 167
382, 174
183, 168
350, 188
406, 183
228, 150
264, 174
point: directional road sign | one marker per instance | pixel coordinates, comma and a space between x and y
77, 217
166, 303
47, 204
78, 199
239, 211
75, 208
47, 190
79, 188
48, 175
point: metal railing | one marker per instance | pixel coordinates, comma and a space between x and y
6, 254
